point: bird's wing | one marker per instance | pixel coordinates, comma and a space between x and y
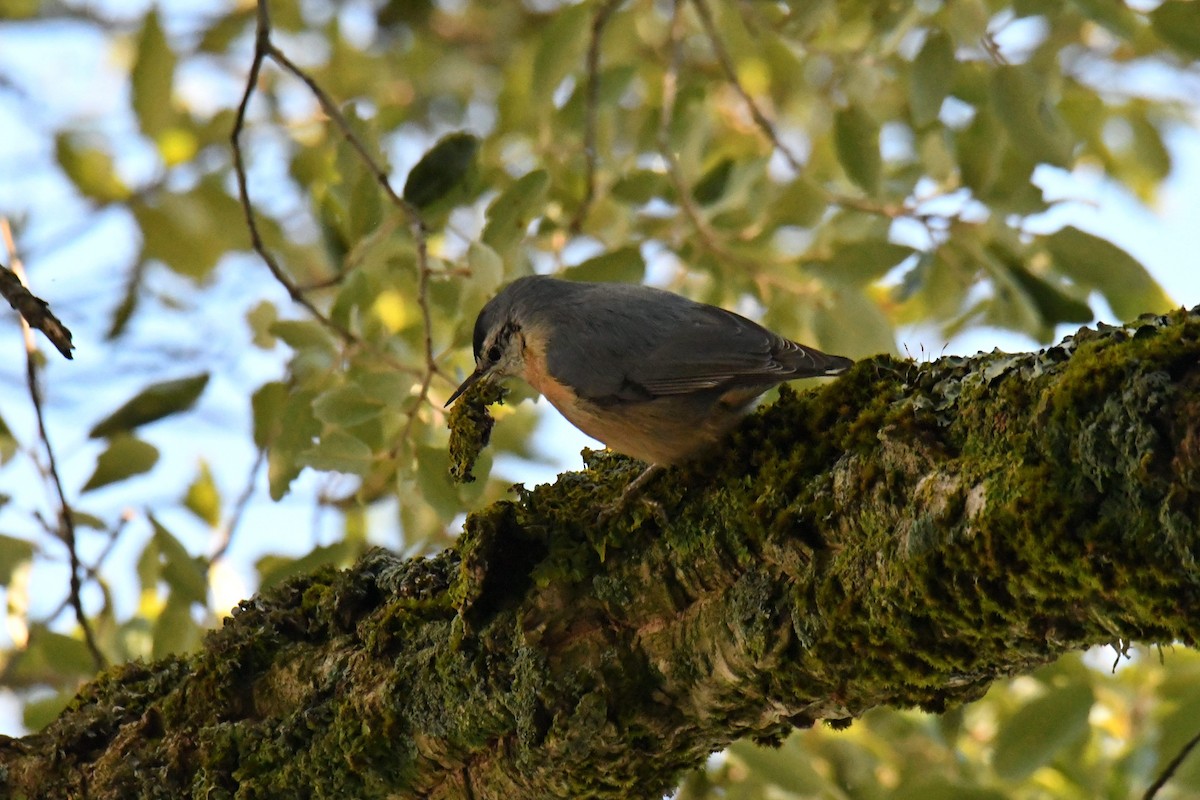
661, 344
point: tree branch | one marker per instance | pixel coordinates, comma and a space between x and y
904, 537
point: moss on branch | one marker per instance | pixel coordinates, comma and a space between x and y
903, 536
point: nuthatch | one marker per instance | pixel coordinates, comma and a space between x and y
651, 374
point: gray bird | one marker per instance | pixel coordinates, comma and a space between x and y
651, 374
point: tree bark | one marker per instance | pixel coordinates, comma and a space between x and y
903, 536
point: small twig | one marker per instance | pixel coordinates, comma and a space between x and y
764, 123
225, 535
66, 516
707, 236
262, 47
599, 22
1169, 771
760, 119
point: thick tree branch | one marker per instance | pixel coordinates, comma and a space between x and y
904, 536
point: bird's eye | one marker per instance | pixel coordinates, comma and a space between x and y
493, 353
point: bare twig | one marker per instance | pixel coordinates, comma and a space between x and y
262, 48
706, 235
225, 535
1169, 771
599, 22
760, 119
66, 516
764, 123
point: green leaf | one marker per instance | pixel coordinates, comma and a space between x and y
856, 136
187, 577
296, 431
1112, 14
124, 458
802, 202
932, 77
203, 498
444, 168
13, 553
174, 629
152, 78
1051, 302
1033, 126
346, 406
190, 232
509, 215
152, 403
273, 569
433, 479
8, 442
90, 169
487, 268
712, 184
40, 712
1040, 730
1099, 264
560, 51
267, 406
338, 451
858, 263
624, 264
1177, 22
302, 334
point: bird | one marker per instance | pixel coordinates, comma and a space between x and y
650, 373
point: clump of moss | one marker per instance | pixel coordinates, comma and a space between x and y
471, 427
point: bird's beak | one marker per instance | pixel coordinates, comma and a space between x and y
467, 384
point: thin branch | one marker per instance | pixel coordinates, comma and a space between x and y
706, 235
760, 119
599, 22
262, 47
225, 535
1170, 768
66, 516
764, 123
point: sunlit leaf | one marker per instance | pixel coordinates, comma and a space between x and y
203, 498
152, 403
90, 169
